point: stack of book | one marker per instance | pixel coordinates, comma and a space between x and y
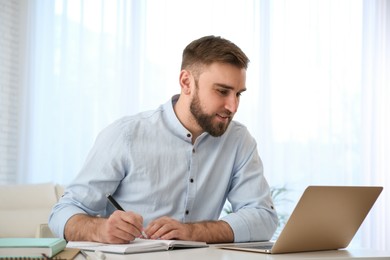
25, 248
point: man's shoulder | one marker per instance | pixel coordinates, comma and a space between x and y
239, 133
126, 123
141, 116
236, 127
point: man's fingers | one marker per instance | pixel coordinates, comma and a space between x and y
166, 228
154, 229
135, 223
133, 218
125, 226
157, 231
171, 235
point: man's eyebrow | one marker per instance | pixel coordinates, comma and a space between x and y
221, 85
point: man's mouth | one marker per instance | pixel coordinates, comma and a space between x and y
223, 117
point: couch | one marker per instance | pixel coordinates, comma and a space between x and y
25, 209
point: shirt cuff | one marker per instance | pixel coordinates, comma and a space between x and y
58, 220
240, 228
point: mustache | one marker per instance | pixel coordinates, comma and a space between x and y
225, 113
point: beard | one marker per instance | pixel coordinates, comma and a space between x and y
205, 121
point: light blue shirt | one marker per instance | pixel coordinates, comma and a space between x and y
150, 166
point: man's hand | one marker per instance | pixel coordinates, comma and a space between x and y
207, 231
168, 228
121, 227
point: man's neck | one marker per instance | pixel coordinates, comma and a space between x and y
182, 111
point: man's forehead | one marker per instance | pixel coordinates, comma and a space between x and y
224, 75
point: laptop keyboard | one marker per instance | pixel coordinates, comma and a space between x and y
257, 246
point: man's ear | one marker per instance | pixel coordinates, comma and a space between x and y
185, 81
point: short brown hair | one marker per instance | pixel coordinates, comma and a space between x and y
210, 49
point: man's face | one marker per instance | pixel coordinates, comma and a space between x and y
216, 97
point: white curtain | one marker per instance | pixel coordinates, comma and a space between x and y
317, 99
375, 116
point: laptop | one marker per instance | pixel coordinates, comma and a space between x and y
325, 218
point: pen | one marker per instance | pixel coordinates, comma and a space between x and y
118, 207
85, 255
114, 203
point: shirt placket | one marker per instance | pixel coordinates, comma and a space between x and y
191, 185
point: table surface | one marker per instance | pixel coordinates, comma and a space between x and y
213, 252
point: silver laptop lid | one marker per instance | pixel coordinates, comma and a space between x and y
325, 218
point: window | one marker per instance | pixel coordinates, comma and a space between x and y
11, 46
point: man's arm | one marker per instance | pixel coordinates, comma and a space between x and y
206, 231
120, 227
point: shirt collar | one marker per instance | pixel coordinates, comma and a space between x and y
173, 122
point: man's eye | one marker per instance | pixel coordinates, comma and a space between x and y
223, 92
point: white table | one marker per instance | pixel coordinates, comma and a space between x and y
223, 254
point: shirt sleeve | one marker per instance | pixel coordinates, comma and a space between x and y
254, 217
86, 194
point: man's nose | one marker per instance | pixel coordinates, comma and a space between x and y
232, 103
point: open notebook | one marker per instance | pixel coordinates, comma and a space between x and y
136, 246
325, 218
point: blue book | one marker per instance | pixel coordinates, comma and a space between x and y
31, 247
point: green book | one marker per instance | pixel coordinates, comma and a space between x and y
30, 247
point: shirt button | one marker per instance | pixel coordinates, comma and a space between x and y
193, 150
188, 135
191, 180
187, 212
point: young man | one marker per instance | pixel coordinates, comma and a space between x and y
173, 168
